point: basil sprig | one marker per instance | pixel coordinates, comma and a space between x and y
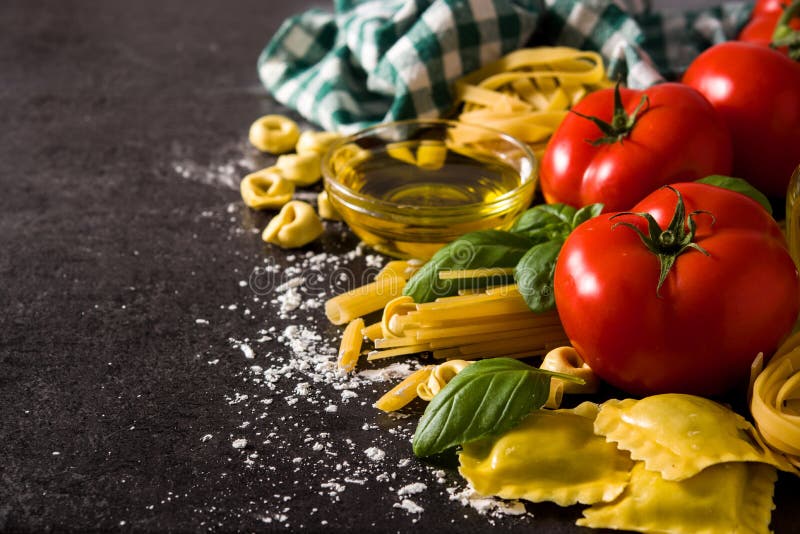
487, 398
531, 247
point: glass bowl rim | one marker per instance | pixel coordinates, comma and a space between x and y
338, 189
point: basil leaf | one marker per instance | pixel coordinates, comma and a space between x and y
534, 275
740, 186
486, 248
545, 222
487, 398
585, 213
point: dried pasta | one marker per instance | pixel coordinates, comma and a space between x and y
440, 376
492, 323
566, 360
528, 92
775, 401
404, 392
302, 169
325, 208
316, 142
297, 224
350, 347
275, 134
388, 284
266, 189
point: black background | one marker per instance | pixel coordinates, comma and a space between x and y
123, 138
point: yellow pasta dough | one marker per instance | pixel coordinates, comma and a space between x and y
775, 401
302, 169
550, 456
439, 378
266, 189
294, 226
724, 498
566, 360
316, 142
325, 208
275, 134
679, 435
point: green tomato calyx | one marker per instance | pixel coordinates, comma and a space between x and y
671, 242
621, 123
784, 34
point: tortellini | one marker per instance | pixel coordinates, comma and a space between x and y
275, 134
550, 456
679, 435
316, 142
297, 224
266, 189
566, 360
302, 169
724, 498
325, 207
440, 376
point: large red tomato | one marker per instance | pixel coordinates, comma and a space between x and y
757, 91
732, 291
676, 135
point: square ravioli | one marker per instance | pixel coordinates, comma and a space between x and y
550, 456
679, 435
724, 498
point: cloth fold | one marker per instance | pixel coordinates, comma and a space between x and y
373, 61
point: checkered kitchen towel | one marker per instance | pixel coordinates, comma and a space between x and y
380, 60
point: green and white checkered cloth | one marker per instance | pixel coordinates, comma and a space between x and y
372, 61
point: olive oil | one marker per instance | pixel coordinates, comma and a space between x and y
416, 206
459, 181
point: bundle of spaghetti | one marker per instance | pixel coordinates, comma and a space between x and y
493, 323
775, 401
528, 92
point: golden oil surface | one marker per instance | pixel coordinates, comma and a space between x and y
459, 180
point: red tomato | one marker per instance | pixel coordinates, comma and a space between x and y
676, 136
757, 91
761, 26
715, 311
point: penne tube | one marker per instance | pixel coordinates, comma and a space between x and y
404, 392
350, 347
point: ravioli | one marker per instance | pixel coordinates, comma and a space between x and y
724, 498
550, 456
679, 435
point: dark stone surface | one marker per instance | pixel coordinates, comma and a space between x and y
124, 127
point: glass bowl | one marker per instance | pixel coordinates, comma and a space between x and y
408, 188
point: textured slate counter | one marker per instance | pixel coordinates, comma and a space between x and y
147, 378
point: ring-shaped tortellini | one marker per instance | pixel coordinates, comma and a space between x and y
440, 376
275, 134
325, 207
297, 224
316, 142
302, 169
566, 360
393, 313
679, 435
266, 189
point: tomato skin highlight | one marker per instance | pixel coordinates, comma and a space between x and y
756, 90
715, 313
677, 136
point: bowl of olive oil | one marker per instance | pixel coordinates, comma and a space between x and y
408, 188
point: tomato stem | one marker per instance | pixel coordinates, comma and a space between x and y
784, 34
671, 242
621, 123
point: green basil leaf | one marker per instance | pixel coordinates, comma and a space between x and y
483, 249
534, 275
487, 398
740, 186
545, 222
586, 213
